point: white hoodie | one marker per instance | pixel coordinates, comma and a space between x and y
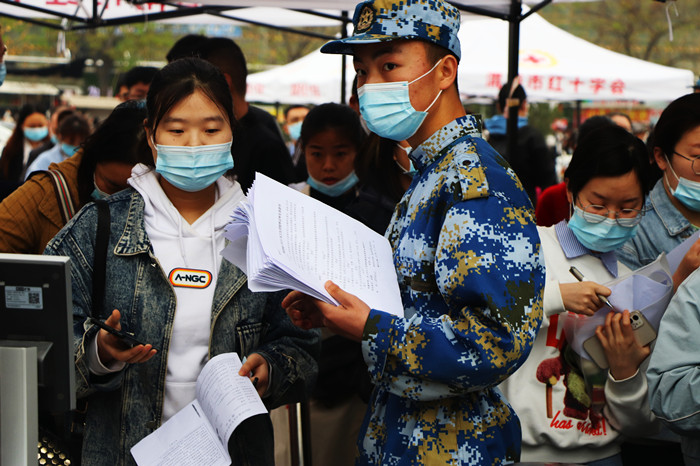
189, 255
552, 429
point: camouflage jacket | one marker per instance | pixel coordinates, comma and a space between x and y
467, 257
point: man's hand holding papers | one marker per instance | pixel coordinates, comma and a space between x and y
348, 319
283, 239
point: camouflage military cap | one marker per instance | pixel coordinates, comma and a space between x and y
434, 21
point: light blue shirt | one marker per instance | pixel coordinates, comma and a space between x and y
573, 248
673, 368
46, 158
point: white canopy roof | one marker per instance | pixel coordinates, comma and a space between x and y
554, 65
28, 88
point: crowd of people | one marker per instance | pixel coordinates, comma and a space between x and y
498, 261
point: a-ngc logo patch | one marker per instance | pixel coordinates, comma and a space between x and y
190, 278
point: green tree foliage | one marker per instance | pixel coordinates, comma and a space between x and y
264, 47
638, 28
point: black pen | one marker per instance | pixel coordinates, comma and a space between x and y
579, 276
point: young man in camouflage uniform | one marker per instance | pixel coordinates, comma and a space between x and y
466, 252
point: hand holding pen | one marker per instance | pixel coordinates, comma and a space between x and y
584, 297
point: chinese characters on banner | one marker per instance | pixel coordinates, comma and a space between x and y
559, 84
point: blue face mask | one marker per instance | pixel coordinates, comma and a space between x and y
193, 168
68, 150
295, 130
334, 190
605, 236
36, 134
687, 191
54, 139
387, 108
97, 193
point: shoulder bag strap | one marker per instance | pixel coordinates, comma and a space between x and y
65, 202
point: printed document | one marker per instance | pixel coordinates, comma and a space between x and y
282, 238
199, 432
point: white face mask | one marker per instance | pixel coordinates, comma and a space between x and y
411, 171
387, 108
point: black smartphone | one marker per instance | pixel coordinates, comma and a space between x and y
126, 337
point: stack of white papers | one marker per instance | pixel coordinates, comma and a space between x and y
284, 239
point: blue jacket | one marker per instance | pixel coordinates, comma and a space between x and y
126, 406
674, 392
662, 228
468, 260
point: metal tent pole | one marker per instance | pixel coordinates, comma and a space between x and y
343, 80
513, 58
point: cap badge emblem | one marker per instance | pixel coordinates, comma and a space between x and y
365, 19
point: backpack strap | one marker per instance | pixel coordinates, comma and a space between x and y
65, 202
100, 262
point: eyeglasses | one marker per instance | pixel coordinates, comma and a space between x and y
627, 218
692, 161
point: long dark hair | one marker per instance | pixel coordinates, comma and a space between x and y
120, 138
375, 166
180, 79
605, 152
13, 153
681, 115
338, 117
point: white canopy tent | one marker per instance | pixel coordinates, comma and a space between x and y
554, 65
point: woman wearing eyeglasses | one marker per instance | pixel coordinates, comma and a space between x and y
674, 202
570, 410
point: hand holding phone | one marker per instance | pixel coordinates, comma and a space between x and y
643, 333
127, 337
116, 345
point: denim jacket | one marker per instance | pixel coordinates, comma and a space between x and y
126, 406
662, 228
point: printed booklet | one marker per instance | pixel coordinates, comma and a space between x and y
199, 432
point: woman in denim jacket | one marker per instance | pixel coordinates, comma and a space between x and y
673, 206
167, 284
672, 216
